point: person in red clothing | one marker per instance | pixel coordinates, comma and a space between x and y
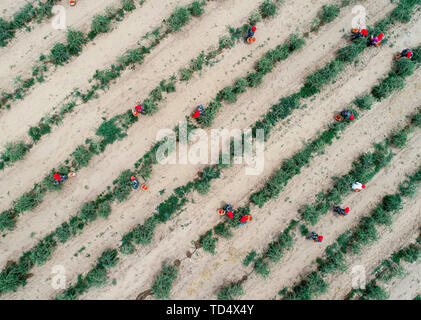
244, 219
250, 36
198, 112
357, 33
227, 210
138, 109
315, 237
59, 178
407, 53
376, 41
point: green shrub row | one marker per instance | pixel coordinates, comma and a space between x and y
386, 271
62, 52
350, 242
22, 17
96, 277
161, 287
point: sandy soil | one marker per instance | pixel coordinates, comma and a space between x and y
202, 275
409, 286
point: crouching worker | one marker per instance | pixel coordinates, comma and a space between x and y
376, 41
59, 178
357, 33
198, 112
315, 237
341, 212
357, 186
345, 115
135, 184
244, 219
227, 210
405, 53
250, 36
138, 109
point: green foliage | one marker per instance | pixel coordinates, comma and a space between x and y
29, 200
230, 292
364, 102
186, 74
131, 57
75, 41
329, 13
14, 151
400, 138
208, 242
42, 251
100, 24
127, 5
222, 230
59, 54
178, 19
268, 9
254, 18
109, 258
312, 285
167, 208
104, 210
388, 85
404, 67
374, 292
109, 131
392, 202
163, 281
96, 277
81, 157
7, 31
250, 258
62, 233
196, 8
315, 81
404, 10
7, 221
262, 267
